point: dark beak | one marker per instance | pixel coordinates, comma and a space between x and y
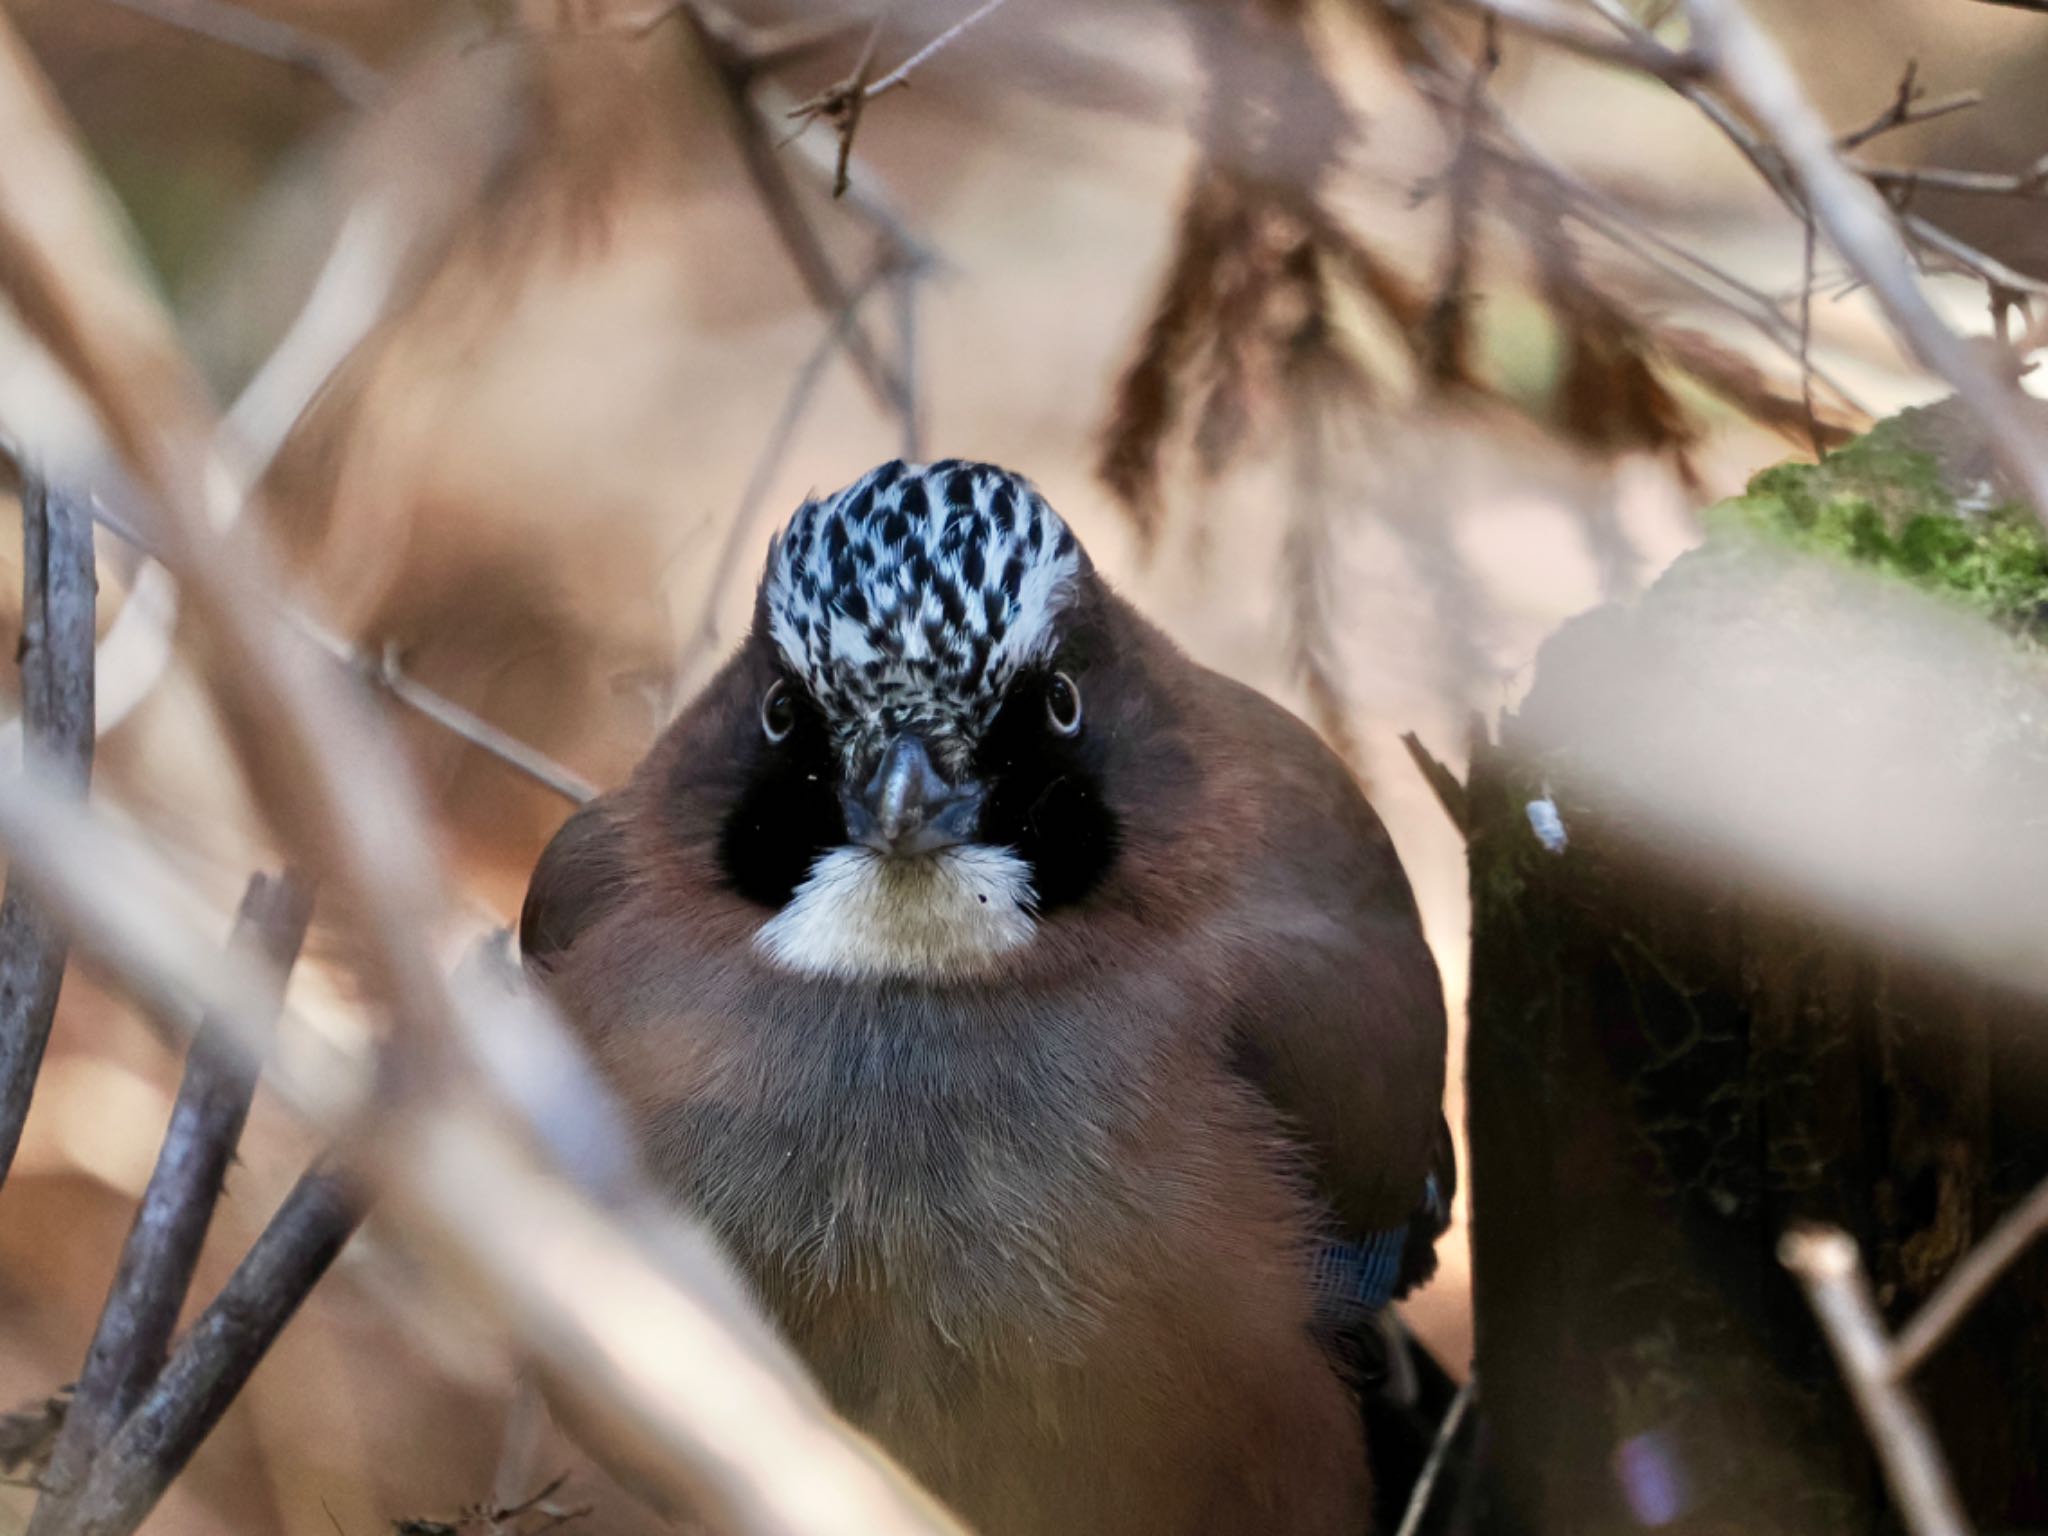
906, 808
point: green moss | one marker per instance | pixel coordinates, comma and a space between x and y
1889, 502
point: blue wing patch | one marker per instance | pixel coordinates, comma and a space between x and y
1363, 1276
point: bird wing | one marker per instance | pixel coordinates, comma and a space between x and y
581, 873
1342, 1029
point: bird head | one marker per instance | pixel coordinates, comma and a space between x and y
922, 786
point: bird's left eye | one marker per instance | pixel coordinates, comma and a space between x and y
778, 711
1063, 704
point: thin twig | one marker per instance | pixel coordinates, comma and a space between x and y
1825, 1263
1808, 246
1968, 258
795, 404
806, 247
863, 194
1964, 1286
213, 1360
238, 27
1862, 231
56, 655
1908, 106
477, 731
129, 1345
1598, 211
1439, 1451
842, 105
1569, 29
2031, 183
900, 75
382, 672
906, 291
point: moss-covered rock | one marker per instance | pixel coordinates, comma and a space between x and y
1916, 498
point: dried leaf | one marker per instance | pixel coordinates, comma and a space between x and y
1734, 378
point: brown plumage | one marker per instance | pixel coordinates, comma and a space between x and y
1040, 1209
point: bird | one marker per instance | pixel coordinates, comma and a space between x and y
1041, 1020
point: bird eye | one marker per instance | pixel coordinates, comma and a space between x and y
1063, 704
778, 711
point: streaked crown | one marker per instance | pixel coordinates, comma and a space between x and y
911, 598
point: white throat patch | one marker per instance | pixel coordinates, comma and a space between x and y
859, 915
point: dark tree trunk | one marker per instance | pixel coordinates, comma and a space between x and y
1671, 1061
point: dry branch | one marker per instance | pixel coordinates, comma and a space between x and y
135, 1326
225, 1344
478, 732
1571, 30
642, 1326
1825, 1262
1964, 1286
56, 654
266, 37
1860, 227
783, 204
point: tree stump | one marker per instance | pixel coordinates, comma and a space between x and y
1673, 1055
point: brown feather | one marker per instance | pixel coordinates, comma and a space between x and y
1037, 1231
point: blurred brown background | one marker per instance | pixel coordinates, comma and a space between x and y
525, 481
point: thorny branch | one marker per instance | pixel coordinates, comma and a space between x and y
129, 1345
58, 590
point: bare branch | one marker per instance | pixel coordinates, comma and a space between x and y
479, 732
1569, 29
1825, 1262
1964, 1286
135, 1326
1908, 106
2030, 183
225, 1344
795, 404
639, 1320
238, 27
1861, 229
779, 198
58, 589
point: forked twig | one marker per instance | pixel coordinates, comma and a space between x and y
1825, 1263
226, 1343
134, 1332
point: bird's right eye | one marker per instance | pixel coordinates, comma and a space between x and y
778, 711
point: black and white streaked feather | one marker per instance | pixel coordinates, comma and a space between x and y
911, 598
